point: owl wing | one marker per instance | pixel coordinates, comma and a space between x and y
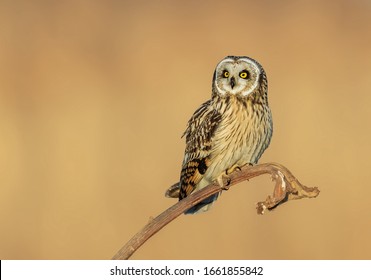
199, 140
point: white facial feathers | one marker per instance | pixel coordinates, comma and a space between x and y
237, 75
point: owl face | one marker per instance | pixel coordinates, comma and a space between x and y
237, 75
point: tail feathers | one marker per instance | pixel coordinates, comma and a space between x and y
203, 206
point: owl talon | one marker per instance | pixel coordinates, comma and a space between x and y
228, 183
224, 181
232, 169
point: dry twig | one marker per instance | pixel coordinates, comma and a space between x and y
287, 188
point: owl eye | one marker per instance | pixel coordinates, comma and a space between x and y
244, 74
225, 74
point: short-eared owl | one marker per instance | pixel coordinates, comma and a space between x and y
228, 131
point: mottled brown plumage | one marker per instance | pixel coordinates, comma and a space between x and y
230, 130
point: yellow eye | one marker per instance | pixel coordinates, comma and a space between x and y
244, 74
225, 74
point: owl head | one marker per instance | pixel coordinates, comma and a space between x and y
238, 75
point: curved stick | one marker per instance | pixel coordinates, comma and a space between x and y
287, 188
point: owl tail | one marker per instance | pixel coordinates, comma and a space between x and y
203, 206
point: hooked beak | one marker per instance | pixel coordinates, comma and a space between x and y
233, 82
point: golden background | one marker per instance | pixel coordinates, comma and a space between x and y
94, 96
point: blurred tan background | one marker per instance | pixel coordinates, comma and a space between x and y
94, 96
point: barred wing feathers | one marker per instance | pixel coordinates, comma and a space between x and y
199, 140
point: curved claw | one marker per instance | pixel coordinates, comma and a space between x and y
226, 187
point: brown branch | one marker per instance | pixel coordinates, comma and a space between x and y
287, 188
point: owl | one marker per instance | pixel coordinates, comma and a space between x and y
228, 131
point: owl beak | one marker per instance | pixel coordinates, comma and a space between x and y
233, 82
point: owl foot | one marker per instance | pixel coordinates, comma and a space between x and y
224, 181
232, 169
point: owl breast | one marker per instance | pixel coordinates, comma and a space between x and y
244, 133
